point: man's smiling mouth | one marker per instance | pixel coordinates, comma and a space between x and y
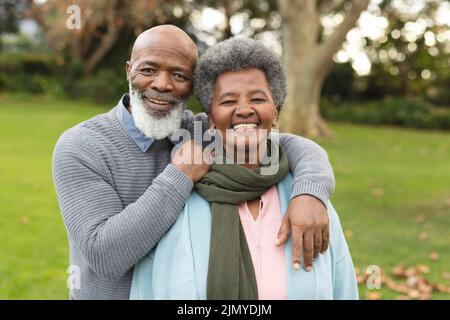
161, 105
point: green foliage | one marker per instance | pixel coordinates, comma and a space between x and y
28, 72
41, 74
409, 66
339, 85
413, 113
105, 87
31, 63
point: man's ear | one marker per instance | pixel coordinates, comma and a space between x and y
127, 70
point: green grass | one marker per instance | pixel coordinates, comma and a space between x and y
385, 178
411, 169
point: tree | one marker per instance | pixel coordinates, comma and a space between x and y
10, 14
308, 58
409, 63
102, 24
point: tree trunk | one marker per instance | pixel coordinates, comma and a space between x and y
107, 41
307, 63
301, 113
106, 44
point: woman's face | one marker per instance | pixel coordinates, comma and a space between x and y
242, 105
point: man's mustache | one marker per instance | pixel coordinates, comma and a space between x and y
154, 94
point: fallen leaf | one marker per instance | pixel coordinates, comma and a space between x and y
412, 281
447, 202
373, 295
397, 287
424, 288
361, 279
24, 220
423, 236
421, 218
410, 272
348, 234
440, 287
414, 294
425, 296
434, 256
399, 270
377, 192
421, 268
446, 275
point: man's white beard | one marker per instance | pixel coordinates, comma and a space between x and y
151, 125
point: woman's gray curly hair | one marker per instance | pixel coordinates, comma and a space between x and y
237, 54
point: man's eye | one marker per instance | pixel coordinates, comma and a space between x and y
258, 100
148, 70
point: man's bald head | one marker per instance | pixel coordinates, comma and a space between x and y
167, 38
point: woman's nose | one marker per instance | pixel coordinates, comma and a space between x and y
244, 111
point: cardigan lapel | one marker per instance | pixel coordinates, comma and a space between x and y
300, 284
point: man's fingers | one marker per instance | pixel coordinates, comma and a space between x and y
317, 243
283, 233
325, 240
308, 250
297, 247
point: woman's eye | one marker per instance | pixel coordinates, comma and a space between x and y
228, 102
179, 76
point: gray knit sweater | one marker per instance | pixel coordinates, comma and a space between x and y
117, 202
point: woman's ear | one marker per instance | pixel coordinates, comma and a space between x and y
210, 122
275, 118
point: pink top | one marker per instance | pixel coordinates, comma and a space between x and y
268, 260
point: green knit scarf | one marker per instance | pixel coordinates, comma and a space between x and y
230, 270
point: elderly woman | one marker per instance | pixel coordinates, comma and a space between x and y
223, 244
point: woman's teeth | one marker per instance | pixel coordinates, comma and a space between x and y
245, 126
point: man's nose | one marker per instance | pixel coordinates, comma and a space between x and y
162, 82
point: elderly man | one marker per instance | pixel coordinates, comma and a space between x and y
119, 190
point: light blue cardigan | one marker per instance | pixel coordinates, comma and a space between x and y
177, 267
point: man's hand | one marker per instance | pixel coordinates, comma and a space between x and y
307, 219
192, 160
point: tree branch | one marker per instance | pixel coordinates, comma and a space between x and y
328, 6
106, 43
331, 45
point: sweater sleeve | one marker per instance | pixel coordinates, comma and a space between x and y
310, 166
111, 237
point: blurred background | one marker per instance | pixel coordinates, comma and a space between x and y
367, 80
